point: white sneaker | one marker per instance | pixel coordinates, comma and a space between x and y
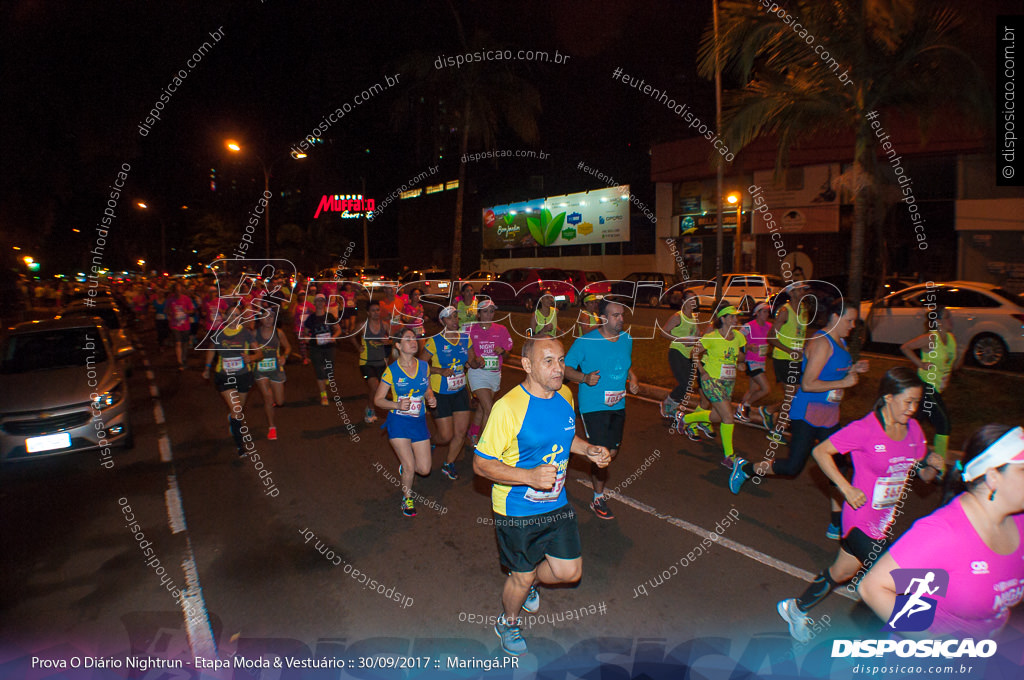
799, 623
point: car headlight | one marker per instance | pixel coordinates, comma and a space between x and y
109, 398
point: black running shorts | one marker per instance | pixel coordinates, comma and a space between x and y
523, 542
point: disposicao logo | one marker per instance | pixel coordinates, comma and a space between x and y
915, 608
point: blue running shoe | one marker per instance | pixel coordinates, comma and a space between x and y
834, 532
511, 637
532, 603
738, 476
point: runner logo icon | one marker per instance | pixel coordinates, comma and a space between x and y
915, 608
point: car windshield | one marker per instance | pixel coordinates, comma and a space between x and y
1007, 295
46, 350
108, 315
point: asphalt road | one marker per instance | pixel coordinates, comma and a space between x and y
76, 578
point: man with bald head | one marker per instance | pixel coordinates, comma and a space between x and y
524, 450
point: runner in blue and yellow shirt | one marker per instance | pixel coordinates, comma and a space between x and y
408, 380
525, 451
448, 353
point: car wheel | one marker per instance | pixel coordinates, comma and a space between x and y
988, 350
528, 303
653, 301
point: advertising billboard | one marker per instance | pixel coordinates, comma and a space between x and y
596, 216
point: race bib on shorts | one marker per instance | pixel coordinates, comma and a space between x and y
457, 381
887, 492
323, 338
613, 397
233, 364
835, 396
415, 407
547, 496
728, 372
491, 363
268, 364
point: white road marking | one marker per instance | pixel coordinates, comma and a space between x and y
164, 443
746, 551
153, 392
158, 414
175, 513
149, 375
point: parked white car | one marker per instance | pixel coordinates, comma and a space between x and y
736, 287
987, 320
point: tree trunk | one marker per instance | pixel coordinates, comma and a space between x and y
460, 195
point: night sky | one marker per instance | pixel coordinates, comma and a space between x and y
78, 78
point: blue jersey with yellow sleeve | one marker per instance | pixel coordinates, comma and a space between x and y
525, 431
414, 386
447, 354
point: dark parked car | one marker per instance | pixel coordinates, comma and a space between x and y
522, 286
650, 288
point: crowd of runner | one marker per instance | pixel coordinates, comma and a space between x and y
522, 435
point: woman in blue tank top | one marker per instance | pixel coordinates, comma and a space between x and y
813, 410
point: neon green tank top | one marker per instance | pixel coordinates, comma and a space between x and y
540, 320
793, 332
687, 328
939, 356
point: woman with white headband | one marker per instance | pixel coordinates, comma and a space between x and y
985, 524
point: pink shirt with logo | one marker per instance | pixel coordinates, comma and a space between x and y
178, 309
983, 584
880, 470
757, 342
486, 342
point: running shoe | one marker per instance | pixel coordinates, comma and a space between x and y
369, 416
408, 508
741, 413
601, 509
776, 437
448, 469
511, 637
799, 623
834, 532
727, 462
669, 408
690, 431
272, 434
706, 429
738, 476
532, 603
766, 417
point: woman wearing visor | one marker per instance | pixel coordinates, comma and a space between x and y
977, 539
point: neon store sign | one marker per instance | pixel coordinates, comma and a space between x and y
349, 205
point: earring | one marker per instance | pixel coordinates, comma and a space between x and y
992, 496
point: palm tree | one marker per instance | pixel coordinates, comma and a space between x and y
896, 56
475, 102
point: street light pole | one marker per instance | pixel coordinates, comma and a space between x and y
719, 237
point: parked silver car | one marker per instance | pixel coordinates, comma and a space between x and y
62, 391
113, 318
987, 320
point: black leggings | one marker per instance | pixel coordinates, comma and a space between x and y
682, 369
933, 409
803, 437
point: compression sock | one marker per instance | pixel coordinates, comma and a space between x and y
819, 589
942, 444
727, 429
837, 518
236, 433
698, 416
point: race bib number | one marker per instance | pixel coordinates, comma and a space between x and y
323, 338
491, 363
728, 372
762, 352
415, 407
457, 381
613, 397
233, 364
547, 496
887, 492
835, 396
180, 315
268, 364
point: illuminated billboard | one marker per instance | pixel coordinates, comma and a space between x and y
597, 216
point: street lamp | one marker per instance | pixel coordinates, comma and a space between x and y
734, 198
235, 147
